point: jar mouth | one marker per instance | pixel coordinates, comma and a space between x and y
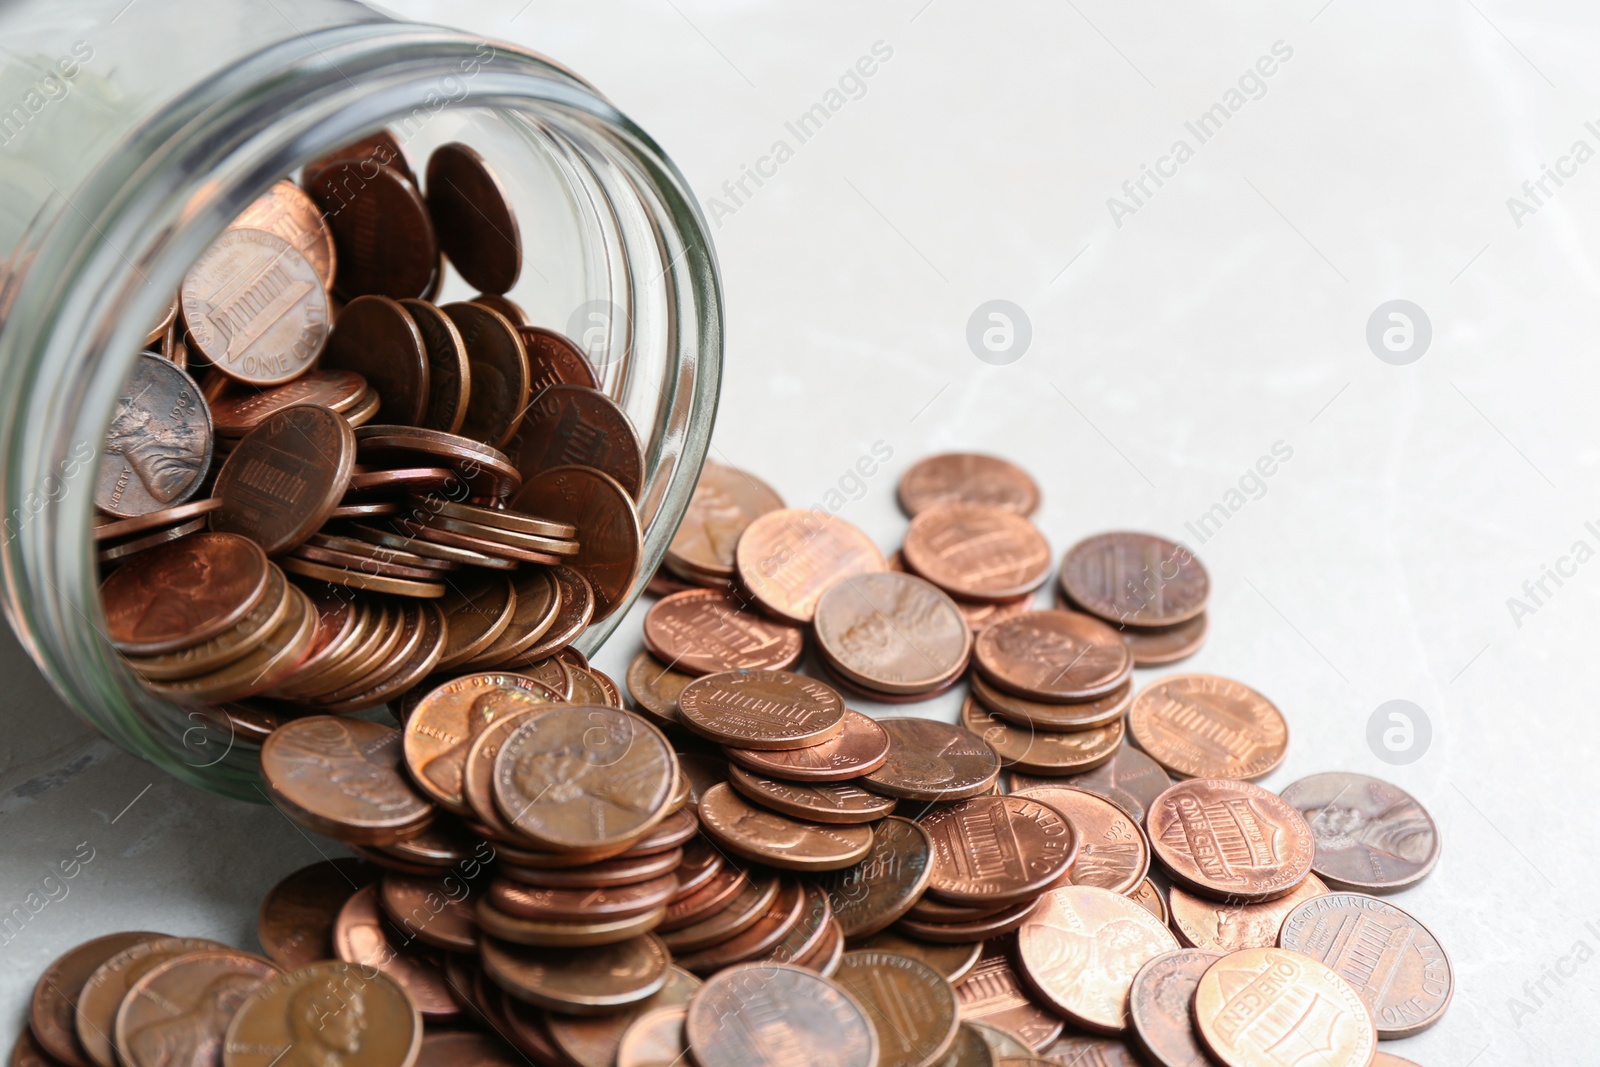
109, 256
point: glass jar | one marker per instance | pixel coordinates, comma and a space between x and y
130, 135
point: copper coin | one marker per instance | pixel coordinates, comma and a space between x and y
1130, 780
1135, 579
375, 149
575, 905
600, 874
713, 900
1158, 1007
430, 909
1059, 656
1203, 726
996, 851
500, 519
608, 528
554, 360
1112, 853
725, 501
762, 709
499, 373
992, 993
557, 933
485, 470
1162, 645
256, 308
1371, 836
377, 338
829, 802
248, 634
342, 777
861, 748
655, 1039
910, 1004
329, 1012
158, 447
1389, 958
878, 890
134, 545
967, 478
597, 981
788, 558
542, 604
449, 374
954, 961
893, 632
811, 935
295, 924
27, 1052
285, 478
933, 761
288, 212
1389, 1059
477, 610
112, 529
180, 1010
777, 840
361, 937
1084, 715
364, 562
778, 1015
655, 687
574, 609
473, 218
581, 776
446, 722
238, 413
1251, 1006
183, 594
477, 777
933, 910
989, 926
1088, 1050
465, 1049
1042, 752
977, 553
878, 696
573, 425
105, 989
982, 616
385, 239
761, 937
701, 862
53, 1009
401, 674
1151, 898
701, 631
1230, 840
593, 687
1217, 927
598, 1040
1003, 1044
364, 411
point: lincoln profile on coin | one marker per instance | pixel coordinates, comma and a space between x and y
194, 1036
327, 1031
160, 453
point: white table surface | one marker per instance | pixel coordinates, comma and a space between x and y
1225, 314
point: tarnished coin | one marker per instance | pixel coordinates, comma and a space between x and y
449, 370
597, 981
285, 478
1130, 780
1160, 645
182, 1007
788, 558
473, 218
167, 520
608, 528
995, 851
777, 840
1230, 840
655, 1039
183, 593
237, 413
105, 989
158, 448
829, 802
295, 924
376, 149
1079, 951
967, 478
655, 687
53, 1008
778, 1015
1252, 1008
992, 993
1040, 751
1135, 579
342, 777
381, 228
1389, 958
935, 761
893, 632
725, 501
376, 337
762, 710
1217, 927
255, 307
441, 729
1083, 715
555, 360
568, 425
464, 1048
289, 213
977, 553
598, 1040
1371, 836
1059, 656
328, 1012
954, 961
1158, 1007
910, 1004
486, 471
873, 894
702, 631
499, 372
1203, 726
965, 931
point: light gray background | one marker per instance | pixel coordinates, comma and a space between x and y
1169, 353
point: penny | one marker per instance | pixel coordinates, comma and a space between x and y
1042, 752
365, 411
485, 470
554, 360
545, 601
1251, 1006
1159, 646
245, 636
777, 840
762, 709
465, 1049
811, 935
430, 909
787, 559
1150, 897
295, 924
1370, 836
954, 961
567, 425
1216, 927
728, 904
996, 851
361, 936
590, 687
111, 529
134, 545
1203, 726
1394, 962
725, 501
933, 761
443, 726
158, 448
781, 916
183, 594
1084, 715
389, 566
583, 776
701, 863
104, 990
53, 1008
1135, 579
1230, 840
259, 669
977, 553
931, 909
374, 150
376, 337
449, 373
982, 616
608, 528
342, 628
329, 1012
1130, 780
778, 1015
236, 414
576, 905
655, 687
655, 1039
342, 777
1389, 1059
386, 241
180, 1009
1053, 656
910, 1004
1112, 853
285, 478
503, 520
477, 609
601, 874
829, 802
989, 926
893, 632
473, 218
27, 1052
701, 631
549, 933
351, 579
967, 478
1088, 1050
992, 993
498, 368
1002, 1043
597, 981
399, 675
255, 308
288, 212
861, 748
884, 884
1158, 1007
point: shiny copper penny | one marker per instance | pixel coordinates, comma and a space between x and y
893, 632
861, 748
442, 728
574, 425
1389, 958
726, 904
761, 937
910, 1004
106, 988
977, 553
954, 961
882, 886
1389, 1059
237, 413
762, 709
361, 936
1087, 1050
597, 981
256, 308
132, 546
53, 1008
183, 1006
553, 603
248, 634
486, 471
1112, 853
788, 558
1252, 1006
449, 371
603, 874
992, 993
777, 840
295, 924
829, 802
701, 631
934, 761
342, 777
575, 905
1083, 715
1053, 656
1039, 751
1003, 1044
1162, 645
477, 609
473, 218
498, 366
376, 337
385, 239
1151, 898
183, 593
725, 501
166, 518
1130, 780
158, 448
967, 478
285, 478
433, 910
996, 851
1230, 840
550, 933
777, 1015
655, 687
1135, 579
969, 930
329, 1012
811, 936
1216, 927
608, 528
286, 211
1158, 1007
654, 1039
1371, 836
597, 1040
1203, 726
